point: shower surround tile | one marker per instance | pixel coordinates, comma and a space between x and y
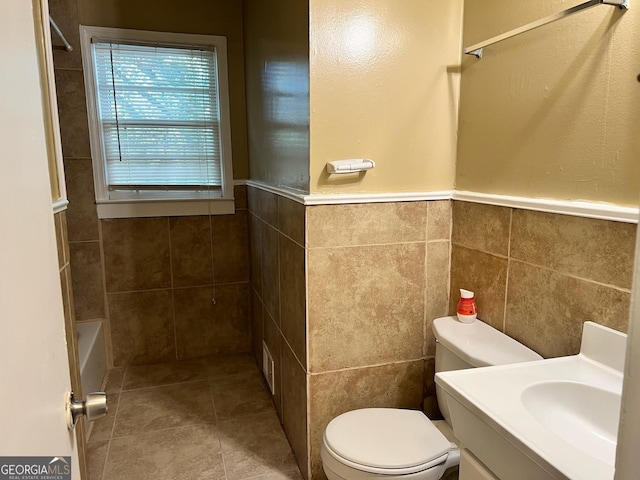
203, 327
136, 254
86, 266
82, 217
190, 251
72, 109
230, 238
141, 327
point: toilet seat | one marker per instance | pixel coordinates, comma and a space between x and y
385, 441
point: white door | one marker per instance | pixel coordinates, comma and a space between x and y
34, 369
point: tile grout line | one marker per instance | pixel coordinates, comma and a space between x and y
215, 416
425, 297
506, 283
173, 300
113, 428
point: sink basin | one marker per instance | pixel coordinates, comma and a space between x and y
581, 414
553, 419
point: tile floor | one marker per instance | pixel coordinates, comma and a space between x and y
205, 419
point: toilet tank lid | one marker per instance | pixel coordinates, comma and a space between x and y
479, 344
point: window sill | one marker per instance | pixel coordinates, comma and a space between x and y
173, 208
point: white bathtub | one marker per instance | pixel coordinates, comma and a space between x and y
91, 353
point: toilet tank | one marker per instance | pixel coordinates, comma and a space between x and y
469, 345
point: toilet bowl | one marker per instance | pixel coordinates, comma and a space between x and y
387, 443
399, 444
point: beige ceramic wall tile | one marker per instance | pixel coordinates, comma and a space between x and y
268, 207
252, 200
430, 400
599, 250
141, 327
271, 271
255, 252
294, 405
546, 310
240, 194
396, 385
484, 227
292, 296
439, 220
437, 299
366, 224
230, 247
257, 328
191, 262
366, 305
207, 328
72, 108
291, 219
484, 274
88, 289
82, 216
275, 343
136, 254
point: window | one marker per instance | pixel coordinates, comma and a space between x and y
159, 122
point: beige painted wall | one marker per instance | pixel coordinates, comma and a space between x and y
553, 113
384, 85
277, 76
212, 17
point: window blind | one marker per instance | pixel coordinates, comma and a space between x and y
159, 114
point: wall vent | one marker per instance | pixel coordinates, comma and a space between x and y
268, 368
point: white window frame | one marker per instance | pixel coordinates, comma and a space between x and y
148, 207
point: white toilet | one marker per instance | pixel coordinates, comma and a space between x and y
392, 443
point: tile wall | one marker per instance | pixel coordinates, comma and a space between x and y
359, 334
538, 276
151, 279
278, 298
377, 278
